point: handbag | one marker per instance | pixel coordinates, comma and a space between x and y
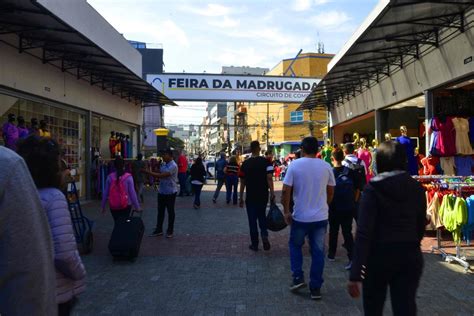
275, 218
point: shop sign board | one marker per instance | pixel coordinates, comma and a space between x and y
216, 87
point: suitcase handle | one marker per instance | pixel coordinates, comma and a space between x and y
134, 211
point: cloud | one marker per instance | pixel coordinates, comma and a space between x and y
330, 20
321, 2
243, 56
305, 5
172, 30
301, 5
225, 22
212, 9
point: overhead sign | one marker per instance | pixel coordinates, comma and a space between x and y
215, 87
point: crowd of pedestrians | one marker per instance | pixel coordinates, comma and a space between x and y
390, 212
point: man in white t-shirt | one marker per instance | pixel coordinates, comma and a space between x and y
312, 182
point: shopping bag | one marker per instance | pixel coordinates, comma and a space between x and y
275, 218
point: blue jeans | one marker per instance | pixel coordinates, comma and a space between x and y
220, 183
256, 212
316, 233
197, 194
232, 183
182, 183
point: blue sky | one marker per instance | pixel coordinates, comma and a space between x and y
202, 36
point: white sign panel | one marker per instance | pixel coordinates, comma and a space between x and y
215, 87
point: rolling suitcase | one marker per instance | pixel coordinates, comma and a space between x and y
126, 238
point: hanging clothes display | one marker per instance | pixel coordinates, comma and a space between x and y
446, 142
453, 213
447, 164
430, 165
464, 165
463, 145
410, 151
434, 138
469, 227
434, 204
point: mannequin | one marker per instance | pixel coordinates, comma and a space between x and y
326, 153
356, 142
112, 144
409, 149
22, 129
10, 132
34, 127
43, 130
129, 147
388, 137
373, 166
366, 156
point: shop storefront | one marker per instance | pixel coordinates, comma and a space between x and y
84, 87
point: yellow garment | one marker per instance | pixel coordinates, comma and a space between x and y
432, 212
44, 133
453, 213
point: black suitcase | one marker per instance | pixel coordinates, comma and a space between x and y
126, 238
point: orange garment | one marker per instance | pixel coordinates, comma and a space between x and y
429, 165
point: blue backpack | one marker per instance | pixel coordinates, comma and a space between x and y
344, 199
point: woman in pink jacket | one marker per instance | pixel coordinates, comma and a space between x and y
42, 156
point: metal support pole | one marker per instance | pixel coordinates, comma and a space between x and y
89, 153
378, 125
268, 125
429, 113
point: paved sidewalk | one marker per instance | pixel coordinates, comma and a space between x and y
207, 269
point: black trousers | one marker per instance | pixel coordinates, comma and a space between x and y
342, 219
64, 309
166, 202
121, 215
399, 268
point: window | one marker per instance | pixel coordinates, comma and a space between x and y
296, 116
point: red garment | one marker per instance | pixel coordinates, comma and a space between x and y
365, 155
446, 142
429, 165
112, 146
182, 164
277, 172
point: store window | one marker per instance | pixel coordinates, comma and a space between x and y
296, 117
65, 126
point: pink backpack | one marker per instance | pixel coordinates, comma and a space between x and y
118, 197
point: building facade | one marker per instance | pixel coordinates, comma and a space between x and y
281, 123
84, 87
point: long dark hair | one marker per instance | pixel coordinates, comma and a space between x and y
42, 156
119, 165
198, 161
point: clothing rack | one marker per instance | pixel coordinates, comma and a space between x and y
459, 185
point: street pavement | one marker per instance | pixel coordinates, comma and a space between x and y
207, 269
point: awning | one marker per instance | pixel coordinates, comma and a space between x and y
33, 30
396, 33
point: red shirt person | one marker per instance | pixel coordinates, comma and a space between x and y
182, 172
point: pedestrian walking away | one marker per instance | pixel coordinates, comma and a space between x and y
120, 192
341, 209
27, 274
358, 165
232, 180
256, 179
220, 176
182, 174
391, 225
198, 177
167, 191
42, 155
312, 182
138, 177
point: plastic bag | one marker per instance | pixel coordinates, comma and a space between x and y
275, 218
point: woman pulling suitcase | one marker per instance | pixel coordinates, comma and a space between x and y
128, 230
